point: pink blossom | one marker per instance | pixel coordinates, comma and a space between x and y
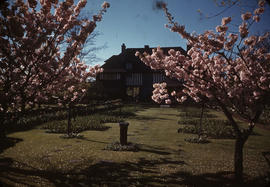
267, 56
73, 98
71, 88
258, 11
256, 18
233, 38
208, 95
60, 38
182, 99
79, 6
262, 38
261, 3
256, 93
263, 79
97, 17
105, 5
243, 30
221, 28
168, 101
250, 40
246, 16
226, 20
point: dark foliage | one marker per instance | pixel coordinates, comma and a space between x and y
212, 128
116, 146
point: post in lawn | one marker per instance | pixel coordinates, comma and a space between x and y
123, 132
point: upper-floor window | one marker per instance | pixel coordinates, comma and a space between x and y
158, 78
128, 65
134, 79
110, 76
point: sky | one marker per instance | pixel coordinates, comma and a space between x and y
138, 22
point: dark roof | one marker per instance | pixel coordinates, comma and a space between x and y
116, 63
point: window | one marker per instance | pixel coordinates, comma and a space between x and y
134, 79
110, 76
158, 77
133, 91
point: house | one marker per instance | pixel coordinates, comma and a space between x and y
125, 75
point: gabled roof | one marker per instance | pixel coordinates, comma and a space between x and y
117, 63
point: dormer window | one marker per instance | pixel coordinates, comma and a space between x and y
128, 66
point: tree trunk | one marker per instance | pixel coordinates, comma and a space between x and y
238, 159
69, 120
2, 130
241, 138
239, 144
3, 117
200, 130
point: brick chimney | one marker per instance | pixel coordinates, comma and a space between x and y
123, 46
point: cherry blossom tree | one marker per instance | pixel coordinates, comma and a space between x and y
230, 69
35, 63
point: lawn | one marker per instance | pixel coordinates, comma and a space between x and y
36, 158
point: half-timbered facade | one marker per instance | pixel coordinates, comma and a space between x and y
126, 75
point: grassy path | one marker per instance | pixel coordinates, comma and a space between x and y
35, 158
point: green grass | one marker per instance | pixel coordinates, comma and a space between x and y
37, 158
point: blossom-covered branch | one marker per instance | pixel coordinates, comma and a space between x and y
34, 64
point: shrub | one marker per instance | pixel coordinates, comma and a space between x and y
196, 114
78, 125
72, 135
188, 129
218, 129
199, 140
265, 117
212, 128
188, 121
56, 119
93, 122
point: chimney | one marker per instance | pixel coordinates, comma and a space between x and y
123, 47
146, 47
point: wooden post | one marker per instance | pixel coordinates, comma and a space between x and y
123, 132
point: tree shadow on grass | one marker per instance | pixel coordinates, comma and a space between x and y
8, 142
266, 155
5, 143
91, 140
153, 149
144, 172
148, 118
109, 173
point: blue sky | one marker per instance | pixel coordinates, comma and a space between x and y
137, 22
